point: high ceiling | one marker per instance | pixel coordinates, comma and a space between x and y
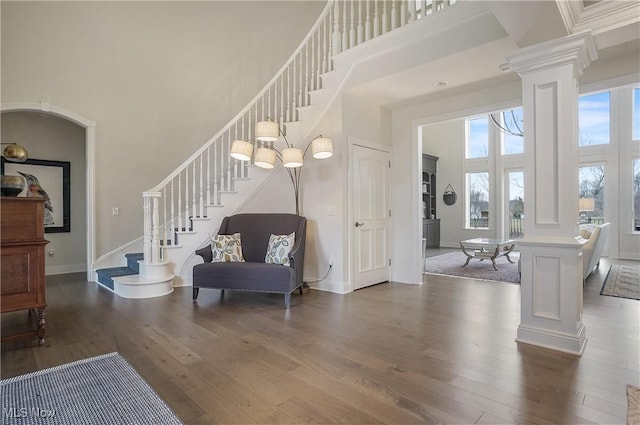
478, 53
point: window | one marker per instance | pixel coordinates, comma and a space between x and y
591, 194
478, 200
593, 119
478, 138
636, 114
512, 122
636, 194
516, 204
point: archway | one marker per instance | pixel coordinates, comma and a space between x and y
90, 139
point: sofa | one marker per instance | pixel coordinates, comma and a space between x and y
597, 237
254, 274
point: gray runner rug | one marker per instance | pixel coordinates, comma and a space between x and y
623, 282
99, 390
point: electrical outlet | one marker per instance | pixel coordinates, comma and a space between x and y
330, 261
51, 253
115, 211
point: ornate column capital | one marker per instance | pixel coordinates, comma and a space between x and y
576, 49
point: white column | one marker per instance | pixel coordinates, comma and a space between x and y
551, 257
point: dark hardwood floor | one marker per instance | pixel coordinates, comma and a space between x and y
442, 352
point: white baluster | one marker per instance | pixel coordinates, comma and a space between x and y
360, 39
164, 217
294, 93
180, 223
367, 25
147, 236
216, 174
325, 51
187, 202
335, 42
403, 13
385, 18
376, 20
201, 200
423, 8
308, 75
172, 229
352, 32
394, 15
312, 66
194, 196
155, 233
412, 10
209, 175
288, 85
300, 82
345, 31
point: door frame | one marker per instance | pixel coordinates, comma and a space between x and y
351, 143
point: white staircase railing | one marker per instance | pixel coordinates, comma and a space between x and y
171, 206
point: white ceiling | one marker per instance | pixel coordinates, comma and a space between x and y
523, 23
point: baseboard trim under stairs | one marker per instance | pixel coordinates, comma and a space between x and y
137, 279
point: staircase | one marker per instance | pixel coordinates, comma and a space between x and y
180, 212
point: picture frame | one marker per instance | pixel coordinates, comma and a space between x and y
54, 177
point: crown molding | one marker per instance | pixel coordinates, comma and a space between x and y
578, 49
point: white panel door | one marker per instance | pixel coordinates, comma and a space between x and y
370, 226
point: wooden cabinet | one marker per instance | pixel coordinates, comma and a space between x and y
431, 224
22, 260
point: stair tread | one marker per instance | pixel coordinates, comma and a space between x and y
116, 271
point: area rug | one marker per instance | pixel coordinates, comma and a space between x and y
633, 405
623, 282
451, 265
98, 390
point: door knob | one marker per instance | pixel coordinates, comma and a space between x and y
359, 224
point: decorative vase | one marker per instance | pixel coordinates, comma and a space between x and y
11, 185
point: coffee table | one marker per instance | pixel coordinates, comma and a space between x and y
487, 248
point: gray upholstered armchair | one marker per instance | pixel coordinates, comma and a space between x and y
254, 274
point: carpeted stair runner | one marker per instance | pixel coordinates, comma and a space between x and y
105, 276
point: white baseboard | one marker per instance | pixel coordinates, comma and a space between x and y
558, 341
68, 268
335, 286
629, 255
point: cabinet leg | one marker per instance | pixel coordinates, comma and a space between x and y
41, 326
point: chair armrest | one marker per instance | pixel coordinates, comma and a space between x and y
205, 253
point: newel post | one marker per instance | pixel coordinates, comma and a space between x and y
151, 247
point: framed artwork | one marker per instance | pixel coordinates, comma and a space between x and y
46, 179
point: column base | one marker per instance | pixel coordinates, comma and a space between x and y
558, 341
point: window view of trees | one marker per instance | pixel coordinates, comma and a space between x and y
593, 119
478, 192
516, 204
591, 187
478, 138
512, 140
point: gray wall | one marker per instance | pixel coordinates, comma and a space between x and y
158, 78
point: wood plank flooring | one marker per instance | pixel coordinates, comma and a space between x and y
442, 352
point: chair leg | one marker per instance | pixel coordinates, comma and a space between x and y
196, 291
300, 289
287, 300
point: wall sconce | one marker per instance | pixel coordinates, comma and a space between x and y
292, 158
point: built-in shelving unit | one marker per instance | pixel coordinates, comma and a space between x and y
430, 222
